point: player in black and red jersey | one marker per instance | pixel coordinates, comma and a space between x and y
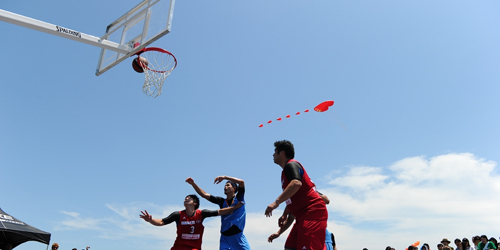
189, 222
302, 201
289, 219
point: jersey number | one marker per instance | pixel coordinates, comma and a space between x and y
192, 229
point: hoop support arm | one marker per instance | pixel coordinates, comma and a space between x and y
34, 24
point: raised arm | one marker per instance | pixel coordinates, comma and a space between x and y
219, 179
147, 217
228, 210
198, 190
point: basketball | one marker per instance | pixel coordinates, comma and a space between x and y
137, 67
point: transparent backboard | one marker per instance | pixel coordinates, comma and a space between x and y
142, 25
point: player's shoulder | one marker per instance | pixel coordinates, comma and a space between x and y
293, 164
216, 199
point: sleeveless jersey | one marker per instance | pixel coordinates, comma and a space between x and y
190, 230
306, 202
237, 217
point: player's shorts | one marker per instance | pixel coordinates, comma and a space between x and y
184, 247
307, 234
234, 242
329, 241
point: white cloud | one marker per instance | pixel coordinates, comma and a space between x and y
361, 178
418, 199
74, 221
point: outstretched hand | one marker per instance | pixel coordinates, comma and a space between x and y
147, 217
272, 237
219, 179
270, 208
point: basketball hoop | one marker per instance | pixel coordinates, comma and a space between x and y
157, 67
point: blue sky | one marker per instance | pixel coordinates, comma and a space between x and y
409, 152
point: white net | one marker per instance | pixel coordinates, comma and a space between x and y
158, 66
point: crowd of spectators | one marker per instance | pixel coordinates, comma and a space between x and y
55, 246
478, 243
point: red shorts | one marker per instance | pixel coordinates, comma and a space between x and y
184, 247
307, 234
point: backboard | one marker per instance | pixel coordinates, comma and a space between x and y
142, 25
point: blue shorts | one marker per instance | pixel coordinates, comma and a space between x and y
328, 240
234, 242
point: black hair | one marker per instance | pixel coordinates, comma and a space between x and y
196, 200
286, 146
495, 242
465, 242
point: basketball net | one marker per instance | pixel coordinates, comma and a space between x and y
160, 64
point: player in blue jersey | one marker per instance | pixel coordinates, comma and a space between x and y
232, 225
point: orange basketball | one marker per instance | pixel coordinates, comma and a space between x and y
137, 67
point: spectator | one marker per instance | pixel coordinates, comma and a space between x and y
485, 244
458, 243
475, 240
388, 248
466, 245
55, 246
494, 241
411, 247
87, 248
446, 244
425, 246
440, 246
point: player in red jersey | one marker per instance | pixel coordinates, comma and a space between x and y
302, 201
189, 222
